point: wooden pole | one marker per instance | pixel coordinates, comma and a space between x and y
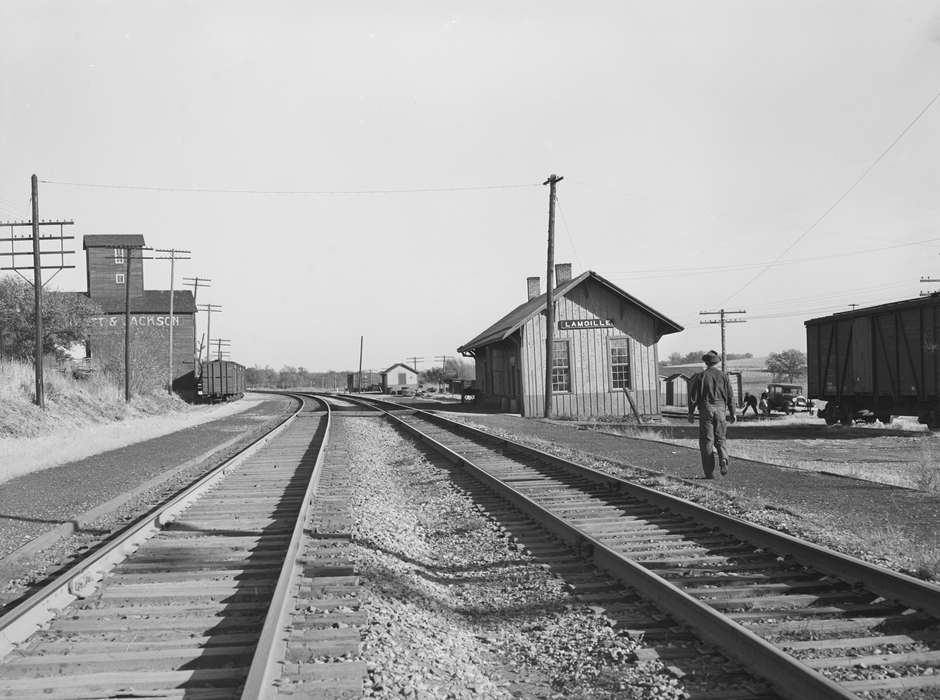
127, 324
169, 386
549, 301
361, 342
37, 295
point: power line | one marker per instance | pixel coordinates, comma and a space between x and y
321, 193
666, 271
845, 194
564, 220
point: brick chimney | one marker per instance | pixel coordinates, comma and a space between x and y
562, 273
533, 287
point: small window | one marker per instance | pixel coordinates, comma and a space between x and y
119, 278
119, 257
619, 363
561, 368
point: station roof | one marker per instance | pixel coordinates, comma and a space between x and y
399, 364
116, 240
512, 321
151, 302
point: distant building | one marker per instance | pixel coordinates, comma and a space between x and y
605, 341
108, 282
677, 390
398, 377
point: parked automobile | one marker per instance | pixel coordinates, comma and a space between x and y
786, 398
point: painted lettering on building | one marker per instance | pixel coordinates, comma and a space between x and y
151, 320
576, 324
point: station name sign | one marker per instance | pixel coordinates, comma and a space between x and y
136, 320
577, 324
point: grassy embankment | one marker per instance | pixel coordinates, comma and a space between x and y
82, 417
70, 402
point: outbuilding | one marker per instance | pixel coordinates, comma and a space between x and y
677, 390
605, 341
399, 377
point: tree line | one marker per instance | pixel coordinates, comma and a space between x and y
786, 365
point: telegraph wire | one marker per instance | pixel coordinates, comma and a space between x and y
318, 193
666, 272
845, 194
577, 258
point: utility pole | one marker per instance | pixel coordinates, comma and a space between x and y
196, 283
443, 359
37, 267
172, 254
722, 319
127, 316
208, 308
549, 301
361, 345
219, 343
414, 362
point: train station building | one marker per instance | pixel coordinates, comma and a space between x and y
109, 279
605, 342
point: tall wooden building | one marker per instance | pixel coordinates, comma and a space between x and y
150, 320
605, 341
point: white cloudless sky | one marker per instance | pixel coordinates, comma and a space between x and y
698, 141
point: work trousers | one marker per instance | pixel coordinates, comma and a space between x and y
712, 427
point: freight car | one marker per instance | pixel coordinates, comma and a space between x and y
221, 380
877, 362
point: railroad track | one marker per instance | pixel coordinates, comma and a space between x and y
812, 622
191, 600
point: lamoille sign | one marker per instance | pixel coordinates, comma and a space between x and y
578, 324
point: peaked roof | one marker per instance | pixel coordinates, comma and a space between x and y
117, 240
512, 321
399, 364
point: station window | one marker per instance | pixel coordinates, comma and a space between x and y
118, 256
619, 363
119, 278
561, 366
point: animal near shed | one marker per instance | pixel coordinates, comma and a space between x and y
605, 341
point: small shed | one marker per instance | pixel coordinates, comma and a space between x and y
677, 390
398, 377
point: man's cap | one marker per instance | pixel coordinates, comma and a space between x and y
711, 358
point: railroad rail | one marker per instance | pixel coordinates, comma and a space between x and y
812, 622
188, 601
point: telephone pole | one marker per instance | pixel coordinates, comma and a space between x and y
552, 181
362, 340
209, 308
37, 267
196, 283
172, 254
722, 319
443, 359
219, 344
414, 362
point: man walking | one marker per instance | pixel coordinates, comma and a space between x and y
710, 392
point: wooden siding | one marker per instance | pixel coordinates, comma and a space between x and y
149, 345
591, 391
101, 271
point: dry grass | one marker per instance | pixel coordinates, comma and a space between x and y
82, 417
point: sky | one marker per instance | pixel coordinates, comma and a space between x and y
376, 169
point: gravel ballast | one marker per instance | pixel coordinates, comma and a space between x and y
457, 608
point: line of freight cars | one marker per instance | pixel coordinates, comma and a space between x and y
221, 380
877, 362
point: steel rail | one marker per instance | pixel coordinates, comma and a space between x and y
788, 676
272, 643
80, 579
887, 583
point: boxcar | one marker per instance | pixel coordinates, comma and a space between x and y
882, 360
222, 380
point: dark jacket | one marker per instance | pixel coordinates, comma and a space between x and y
710, 387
